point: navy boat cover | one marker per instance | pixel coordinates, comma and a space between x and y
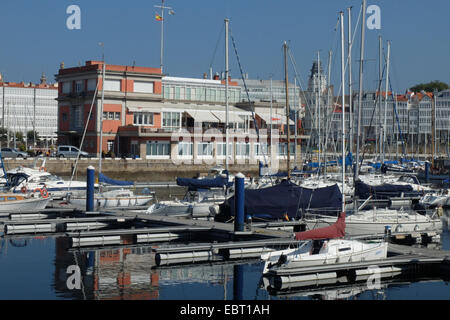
288, 200
384, 191
194, 184
105, 179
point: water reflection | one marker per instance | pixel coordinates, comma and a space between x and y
131, 273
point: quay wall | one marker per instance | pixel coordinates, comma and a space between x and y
139, 170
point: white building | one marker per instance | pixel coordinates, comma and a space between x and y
26, 107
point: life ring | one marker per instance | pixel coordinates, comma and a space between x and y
23, 189
43, 192
42, 169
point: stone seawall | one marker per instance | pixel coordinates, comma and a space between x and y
129, 169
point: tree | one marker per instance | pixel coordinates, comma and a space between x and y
31, 135
430, 86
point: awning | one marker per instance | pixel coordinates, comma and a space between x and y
276, 118
154, 109
232, 117
202, 116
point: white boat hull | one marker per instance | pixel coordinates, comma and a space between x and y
356, 227
23, 205
100, 203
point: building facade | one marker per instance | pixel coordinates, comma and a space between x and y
150, 116
29, 107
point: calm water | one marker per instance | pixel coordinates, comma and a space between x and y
35, 268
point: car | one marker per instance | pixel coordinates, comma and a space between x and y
13, 153
70, 152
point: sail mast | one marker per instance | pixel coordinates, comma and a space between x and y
343, 107
361, 69
101, 119
287, 110
385, 100
226, 93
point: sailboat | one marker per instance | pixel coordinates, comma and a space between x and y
324, 246
374, 221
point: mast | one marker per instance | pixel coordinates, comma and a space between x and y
318, 106
287, 111
380, 74
226, 93
385, 100
343, 107
101, 119
296, 110
350, 94
271, 127
361, 65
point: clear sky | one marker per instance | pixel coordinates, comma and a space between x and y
35, 38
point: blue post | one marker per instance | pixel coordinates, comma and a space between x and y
427, 170
239, 202
90, 189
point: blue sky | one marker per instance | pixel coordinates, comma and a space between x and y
35, 38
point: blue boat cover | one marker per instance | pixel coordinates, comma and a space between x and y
105, 179
384, 191
194, 184
289, 199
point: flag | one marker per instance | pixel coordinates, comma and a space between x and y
158, 17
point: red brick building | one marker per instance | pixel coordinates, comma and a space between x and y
127, 88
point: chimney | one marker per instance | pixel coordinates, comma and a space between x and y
205, 75
61, 65
216, 76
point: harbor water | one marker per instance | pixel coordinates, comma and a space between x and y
39, 267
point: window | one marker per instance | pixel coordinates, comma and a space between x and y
110, 145
221, 149
171, 119
116, 115
185, 149
112, 85
158, 148
144, 87
66, 87
261, 148
79, 86
64, 116
242, 149
92, 84
282, 147
205, 149
143, 118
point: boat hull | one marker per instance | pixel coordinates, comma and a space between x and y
23, 205
360, 228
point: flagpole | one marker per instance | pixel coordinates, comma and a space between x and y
161, 18
162, 36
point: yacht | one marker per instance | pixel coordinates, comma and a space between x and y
375, 221
320, 252
22, 179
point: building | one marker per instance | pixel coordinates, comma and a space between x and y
26, 107
151, 116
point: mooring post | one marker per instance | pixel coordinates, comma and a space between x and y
427, 170
239, 202
90, 189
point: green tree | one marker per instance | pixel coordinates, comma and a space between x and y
430, 86
31, 134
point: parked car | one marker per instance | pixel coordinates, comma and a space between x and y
70, 152
13, 153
